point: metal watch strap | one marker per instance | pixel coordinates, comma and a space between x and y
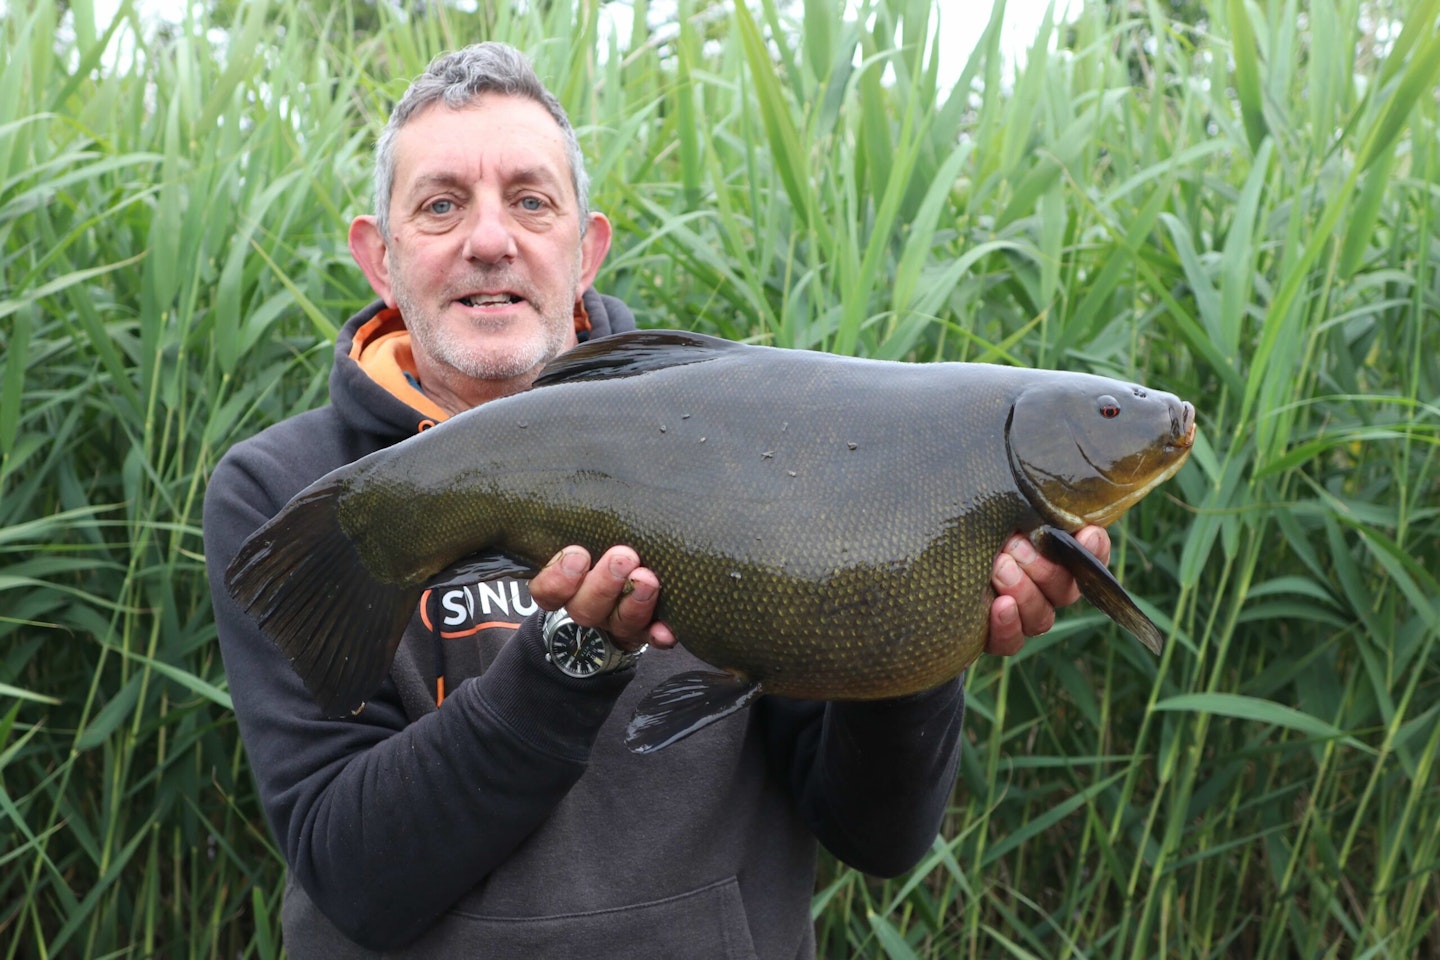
580, 651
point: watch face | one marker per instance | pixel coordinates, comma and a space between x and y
579, 651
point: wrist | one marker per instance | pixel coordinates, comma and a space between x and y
582, 652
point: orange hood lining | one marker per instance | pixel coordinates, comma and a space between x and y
382, 349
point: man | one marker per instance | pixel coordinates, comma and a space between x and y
502, 816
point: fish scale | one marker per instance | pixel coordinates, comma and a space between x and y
822, 527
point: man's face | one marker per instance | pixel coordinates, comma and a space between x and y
485, 260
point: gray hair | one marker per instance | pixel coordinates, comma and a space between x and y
457, 79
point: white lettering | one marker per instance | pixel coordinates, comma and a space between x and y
454, 603
520, 596
493, 592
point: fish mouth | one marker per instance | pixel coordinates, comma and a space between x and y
1182, 426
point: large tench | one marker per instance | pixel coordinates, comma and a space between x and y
822, 527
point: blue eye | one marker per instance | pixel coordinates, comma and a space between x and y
531, 203
442, 207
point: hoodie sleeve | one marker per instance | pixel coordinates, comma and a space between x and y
872, 779
354, 802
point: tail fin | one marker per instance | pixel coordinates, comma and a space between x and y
302, 580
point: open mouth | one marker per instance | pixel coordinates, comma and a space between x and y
488, 300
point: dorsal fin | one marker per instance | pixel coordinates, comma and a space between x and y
631, 354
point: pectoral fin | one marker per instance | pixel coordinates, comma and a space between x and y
685, 703
1097, 584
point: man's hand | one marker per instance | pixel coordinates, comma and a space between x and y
1030, 588
616, 594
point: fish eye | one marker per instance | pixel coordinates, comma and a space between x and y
1109, 407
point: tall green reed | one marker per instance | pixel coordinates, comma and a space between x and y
1239, 209
1253, 234
144, 341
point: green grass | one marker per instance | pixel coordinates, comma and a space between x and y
1242, 210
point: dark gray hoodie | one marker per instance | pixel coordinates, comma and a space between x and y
508, 819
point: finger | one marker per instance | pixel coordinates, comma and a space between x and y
558, 580
660, 635
635, 609
1056, 585
1011, 578
1097, 541
1006, 638
597, 597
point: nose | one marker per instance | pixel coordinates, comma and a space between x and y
491, 236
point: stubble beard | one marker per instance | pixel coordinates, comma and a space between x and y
472, 353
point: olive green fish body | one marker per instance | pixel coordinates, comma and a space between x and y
766, 520
822, 527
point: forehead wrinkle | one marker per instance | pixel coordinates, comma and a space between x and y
544, 164
540, 174
441, 179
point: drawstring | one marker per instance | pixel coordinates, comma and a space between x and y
431, 617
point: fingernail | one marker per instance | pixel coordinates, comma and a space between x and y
1007, 572
640, 592
572, 562
1022, 550
620, 567
1009, 614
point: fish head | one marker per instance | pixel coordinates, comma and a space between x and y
1084, 449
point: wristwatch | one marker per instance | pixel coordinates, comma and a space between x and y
582, 651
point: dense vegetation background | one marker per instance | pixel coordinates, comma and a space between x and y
1232, 199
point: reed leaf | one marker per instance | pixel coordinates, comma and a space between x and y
1239, 208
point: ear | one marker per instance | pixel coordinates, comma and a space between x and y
593, 248
367, 246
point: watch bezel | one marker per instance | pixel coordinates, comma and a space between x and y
566, 641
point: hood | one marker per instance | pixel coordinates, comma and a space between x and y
372, 382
